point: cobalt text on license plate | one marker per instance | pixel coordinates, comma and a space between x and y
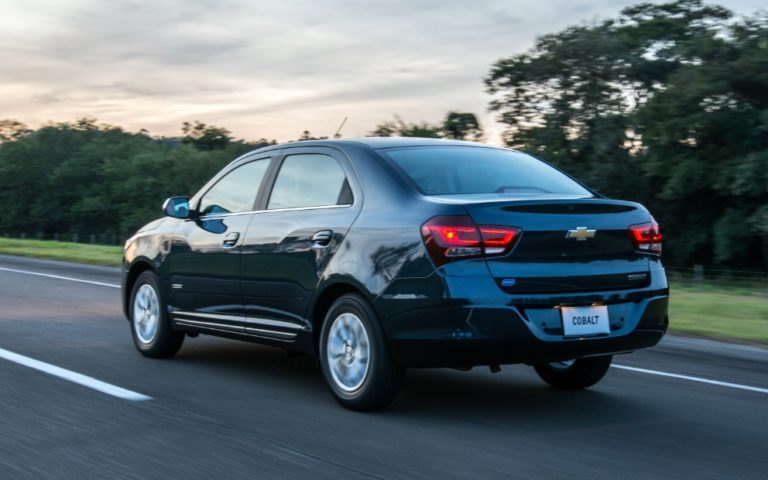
585, 320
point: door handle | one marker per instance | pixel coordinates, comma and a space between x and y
322, 238
231, 240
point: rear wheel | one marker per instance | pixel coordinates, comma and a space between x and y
353, 356
150, 328
574, 374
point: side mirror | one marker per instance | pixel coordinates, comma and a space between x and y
176, 207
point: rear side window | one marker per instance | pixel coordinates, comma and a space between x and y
466, 170
236, 191
310, 180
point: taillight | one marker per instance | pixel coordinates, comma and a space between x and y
646, 237
455, 238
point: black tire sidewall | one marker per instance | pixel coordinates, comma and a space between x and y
584, 373
166, 342
373, 392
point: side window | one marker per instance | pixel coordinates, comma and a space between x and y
236, 191
310, 180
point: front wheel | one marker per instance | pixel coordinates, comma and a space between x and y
574, 374
150, 328
354, 358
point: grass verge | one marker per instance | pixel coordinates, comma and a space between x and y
72, 252
719, 312
700, 310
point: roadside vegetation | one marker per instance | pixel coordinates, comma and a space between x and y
66, 251
719, 312
696, 308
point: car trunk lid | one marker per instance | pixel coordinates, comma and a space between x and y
568, 244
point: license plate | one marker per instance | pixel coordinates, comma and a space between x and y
585, 320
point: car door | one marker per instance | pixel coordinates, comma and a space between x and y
205, 257
311, 204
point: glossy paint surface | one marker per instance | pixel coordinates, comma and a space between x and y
273, 284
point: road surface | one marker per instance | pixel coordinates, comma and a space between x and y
226, 409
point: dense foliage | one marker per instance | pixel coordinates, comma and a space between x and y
667, 105
88, 178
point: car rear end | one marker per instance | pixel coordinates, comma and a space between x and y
529, 265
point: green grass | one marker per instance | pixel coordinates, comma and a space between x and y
719, 312
71, 252
737, 314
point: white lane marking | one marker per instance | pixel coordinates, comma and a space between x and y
71, 279
143, 397
692, 379
74, 377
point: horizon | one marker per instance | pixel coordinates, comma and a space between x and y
153, 67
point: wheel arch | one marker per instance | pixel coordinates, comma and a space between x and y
325, 298
137, 268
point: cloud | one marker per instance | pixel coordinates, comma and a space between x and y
268, 68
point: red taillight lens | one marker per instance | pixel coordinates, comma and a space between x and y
646, 237
455, 235
452, 238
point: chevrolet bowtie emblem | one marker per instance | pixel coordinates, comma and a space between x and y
580, 234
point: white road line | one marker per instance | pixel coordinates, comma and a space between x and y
129, 395
71, 279
692, 379
74, 377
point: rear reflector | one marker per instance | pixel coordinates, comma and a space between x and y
646, 237
450, 238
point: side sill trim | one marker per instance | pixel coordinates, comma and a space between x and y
264, 322
247, 331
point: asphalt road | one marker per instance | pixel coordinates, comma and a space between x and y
225, 409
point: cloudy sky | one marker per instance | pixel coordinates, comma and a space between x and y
267, 68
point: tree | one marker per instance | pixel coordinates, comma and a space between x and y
399, 128
85, 177
205, 137
666, 105
462, 126
457, 125
386, 129
12, 130
306, 135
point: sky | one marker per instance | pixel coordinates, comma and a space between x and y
269, 69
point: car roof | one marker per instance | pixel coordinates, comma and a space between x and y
379, 142
395, 142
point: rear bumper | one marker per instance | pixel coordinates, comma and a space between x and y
520, 348
486, 327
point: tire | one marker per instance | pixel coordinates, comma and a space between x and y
574, 374
150, 328
354, 358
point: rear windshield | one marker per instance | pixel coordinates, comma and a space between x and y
463, 170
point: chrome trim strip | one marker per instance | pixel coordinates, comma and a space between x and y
255, 332
244, 319
272, 323
214, 216
217, 316
217, 326
260, 332
293, 209
321, 207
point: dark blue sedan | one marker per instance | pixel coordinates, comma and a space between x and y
379, 254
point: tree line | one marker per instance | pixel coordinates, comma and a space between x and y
667, 104
86, 177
